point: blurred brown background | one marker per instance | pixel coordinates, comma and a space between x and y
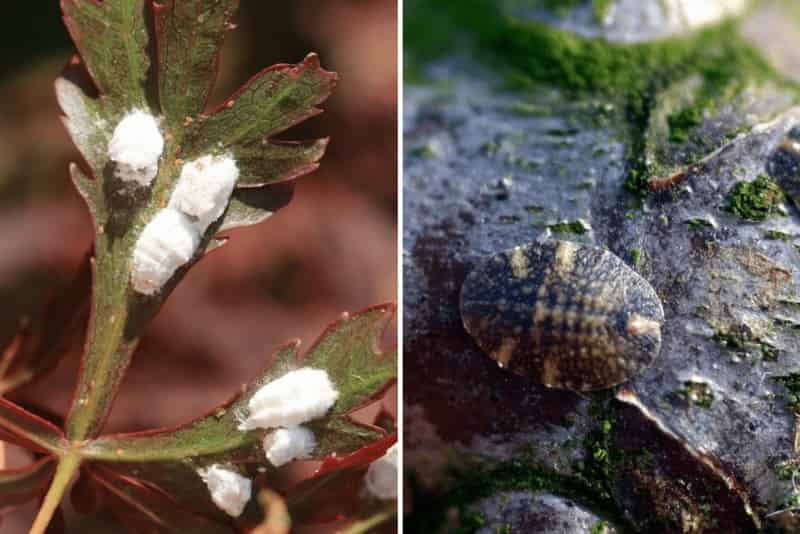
333, 249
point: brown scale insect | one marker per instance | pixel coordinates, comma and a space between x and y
567, 315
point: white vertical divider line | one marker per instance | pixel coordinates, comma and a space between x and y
400, 358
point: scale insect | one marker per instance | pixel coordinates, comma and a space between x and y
171, 238
135, 148
229, 490
564, 314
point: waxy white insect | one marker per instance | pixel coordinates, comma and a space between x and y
167, 242
136, 147
381, 479
204, 188
283, 445
229, 490
295, 398
171, 239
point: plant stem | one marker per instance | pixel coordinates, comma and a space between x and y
107, 353
67, 467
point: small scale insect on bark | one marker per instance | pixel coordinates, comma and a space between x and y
229, 490
293, 399
566, 315
283, 445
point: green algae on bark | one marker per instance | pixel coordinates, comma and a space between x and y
756, 200
633, 75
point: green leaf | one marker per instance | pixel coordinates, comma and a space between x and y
348, 350
189, 35
338, 480
18, 486
272, 101
210, 439
112, 39
22, 428
254, 205
88, 190
84, 115
265, 161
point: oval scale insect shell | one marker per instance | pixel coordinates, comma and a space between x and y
567, 315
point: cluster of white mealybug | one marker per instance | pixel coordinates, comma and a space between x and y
293, 399
284, 404
201, 195
171, 239
204, 188
283, 445
229, 490
381, 479
168, 241
136, 147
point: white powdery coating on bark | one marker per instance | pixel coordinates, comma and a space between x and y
381, 479
229, 490
286, 444
295, 398
167, 242
136, 147
204, 188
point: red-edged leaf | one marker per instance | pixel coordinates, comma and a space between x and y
262, 161
252, 206
189, 35
20, 297
336, 487
18, 486
148, 510
272, 101
112, 39
84, 116
22, 428
50, 334
210, 439
356, 460
348, 350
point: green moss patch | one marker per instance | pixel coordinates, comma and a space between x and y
792, 384
682, 122
697, 393
777, 235
531, 54
742, 342
756, 200
568, 227
590, 485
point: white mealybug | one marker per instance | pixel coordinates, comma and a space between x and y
172, 237
295, 398
229, 490
136, 147
167, 242
204, 188
381, 479
286, 444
